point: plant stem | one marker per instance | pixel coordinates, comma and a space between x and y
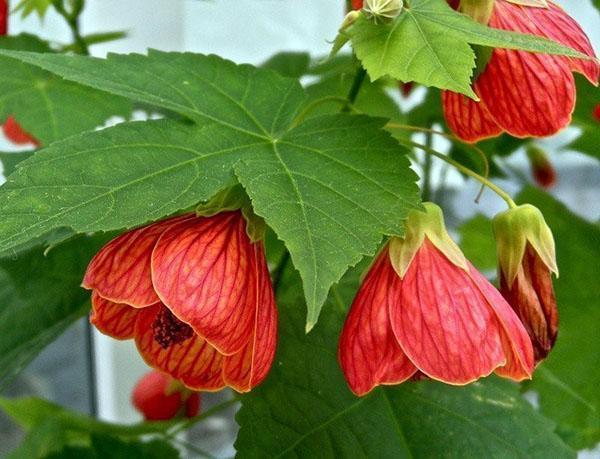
207, 414
465, 170
426, 192
72, 20
359, 78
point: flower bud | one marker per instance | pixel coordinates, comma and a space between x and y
596, 113
158, 397
382, 10
479, 10
526, 257
542, 169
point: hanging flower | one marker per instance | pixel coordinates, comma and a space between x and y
15, 133
423, 311
527, 259
542, 169
158, 397
521, 93
195, 294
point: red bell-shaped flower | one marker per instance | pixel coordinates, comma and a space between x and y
15, 133
424, 311
195, 294
158, 397
521, 93
526, 261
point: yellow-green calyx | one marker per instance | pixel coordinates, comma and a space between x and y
382, 10
531, 3
480, 10
515, 228
421, 224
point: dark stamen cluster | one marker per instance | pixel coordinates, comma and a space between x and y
169, 330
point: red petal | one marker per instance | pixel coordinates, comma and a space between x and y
15, 133
515, 340
249, 367
3, 17
443, 322
202, 270
468, 119
194, 362
368, 351
527, 94
113, 319
121, 272
554, 23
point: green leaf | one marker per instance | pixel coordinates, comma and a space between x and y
46, 106
10, 161
429, 44
568, 380
304, 408
289, 64
39, 298
330, 187
29, 6
477, 242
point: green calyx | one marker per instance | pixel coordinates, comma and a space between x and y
382, 10
480, 10
421, 224
513, 229
230, 199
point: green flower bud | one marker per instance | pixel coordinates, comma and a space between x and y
383, 10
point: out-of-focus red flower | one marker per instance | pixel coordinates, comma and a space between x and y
158, 397
596, 113
542, 169
521, 93
527, 259
424, 311
406, 88
357, 4
195, 294
15, 133
3, 17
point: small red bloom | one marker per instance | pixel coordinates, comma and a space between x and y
521, 93
3, 17
424, 311
542, 169
195, 294
406, 88
15, 133
596, 113
527, 259
357, 4
159, 398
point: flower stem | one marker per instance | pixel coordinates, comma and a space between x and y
359, 78
72, 19
465, 170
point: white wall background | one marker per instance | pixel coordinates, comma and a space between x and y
241, 30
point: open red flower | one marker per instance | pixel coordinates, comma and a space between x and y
521, 93
158, 397
195, 294
15, 133
424, 311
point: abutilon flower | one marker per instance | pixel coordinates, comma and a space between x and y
542, 169
158, 397
195, 294
15, 133
424, 311
596, 113
3, 17
527, 259
522, 93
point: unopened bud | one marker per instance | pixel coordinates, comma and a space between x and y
383, 10
542, 169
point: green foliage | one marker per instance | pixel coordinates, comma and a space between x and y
429, 43
45, 105
39, 298
568, 380
10, 160
305, 410
329, 187
588, 98
477, 242
29, 6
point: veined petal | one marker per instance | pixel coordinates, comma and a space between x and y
553, 23
113, 319
120, 271
443, 321
515, 341
249, 367
194, 362
468, 119
202, 269
368, 351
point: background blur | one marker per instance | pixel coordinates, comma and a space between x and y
95, 374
